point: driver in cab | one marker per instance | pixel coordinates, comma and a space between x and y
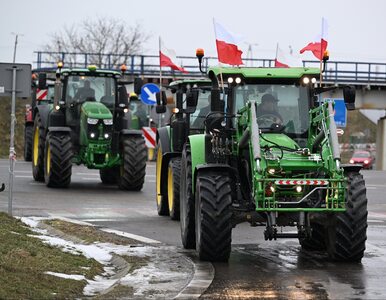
268, 109
85, 93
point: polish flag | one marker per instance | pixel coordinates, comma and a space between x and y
226, 42
281, 60
318, 47
167, 58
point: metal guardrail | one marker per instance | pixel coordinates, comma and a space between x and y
337, 72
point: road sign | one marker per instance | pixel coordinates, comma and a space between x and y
23, 82
340, 111
148, 92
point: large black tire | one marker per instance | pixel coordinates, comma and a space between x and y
174, 174
133, 168
346, 240
58, 160
109, 175
38, 145
213, 216
161, 189
28, 133
187, 204
316, 242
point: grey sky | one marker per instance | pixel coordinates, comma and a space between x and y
356, 28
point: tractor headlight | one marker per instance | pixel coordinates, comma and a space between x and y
108, 121
106, 136
92, 121
306, 80
299, 188
92, 135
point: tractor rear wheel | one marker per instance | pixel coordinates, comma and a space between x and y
187, 206
57, 162
28, 133
213, 216
38, 145
133, 168
161, 190
174, 174
316, 242
109, 175
346, 240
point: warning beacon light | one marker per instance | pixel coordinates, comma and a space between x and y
200, 55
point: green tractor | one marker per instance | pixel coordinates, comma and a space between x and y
88, 123
192, 98
270, 156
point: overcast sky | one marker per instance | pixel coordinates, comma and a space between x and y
357, 28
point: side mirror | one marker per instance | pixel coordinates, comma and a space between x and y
161, 102
42, 84
138, 83
160, 109
192, 98
161, 98
349, 97
123, 98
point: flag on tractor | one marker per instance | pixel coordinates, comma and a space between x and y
227, 50
318, 47
167, 58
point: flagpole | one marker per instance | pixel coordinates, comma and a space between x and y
219, 64
277, 51
160, 78
321, 54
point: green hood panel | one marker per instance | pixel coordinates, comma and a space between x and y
266, 73
279, 139
96, 110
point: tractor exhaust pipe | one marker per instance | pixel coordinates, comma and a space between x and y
333, 135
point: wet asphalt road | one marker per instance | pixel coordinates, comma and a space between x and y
257, 269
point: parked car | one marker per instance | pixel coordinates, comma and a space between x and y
363, 158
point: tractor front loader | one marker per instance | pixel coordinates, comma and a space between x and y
270, 156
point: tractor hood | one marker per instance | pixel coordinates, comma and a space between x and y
96, 110
279, 139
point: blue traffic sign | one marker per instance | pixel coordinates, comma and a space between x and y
340, 113
148, 93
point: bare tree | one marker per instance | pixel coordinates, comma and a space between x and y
107, 42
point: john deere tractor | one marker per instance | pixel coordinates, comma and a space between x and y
273, 164
88, 124
192, 98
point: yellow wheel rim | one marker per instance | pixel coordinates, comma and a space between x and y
36, 146
48, 160
150, 155
158, 178
170, 189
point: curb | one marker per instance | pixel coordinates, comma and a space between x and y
203, 273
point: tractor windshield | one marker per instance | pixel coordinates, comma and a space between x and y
282, 104
203, 108
91, 88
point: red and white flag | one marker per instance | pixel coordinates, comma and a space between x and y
226, 42
281, 60
167, 58
319, 46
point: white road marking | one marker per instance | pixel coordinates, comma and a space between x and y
88, 174
23, 176
131, 236
90, 178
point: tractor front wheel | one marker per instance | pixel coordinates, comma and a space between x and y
28, 133
316, 242
187, 206
346, 240
174, 173
38, 145
213, 216
57, 162
133, 168
109, 175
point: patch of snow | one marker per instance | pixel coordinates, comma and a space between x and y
66, 276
